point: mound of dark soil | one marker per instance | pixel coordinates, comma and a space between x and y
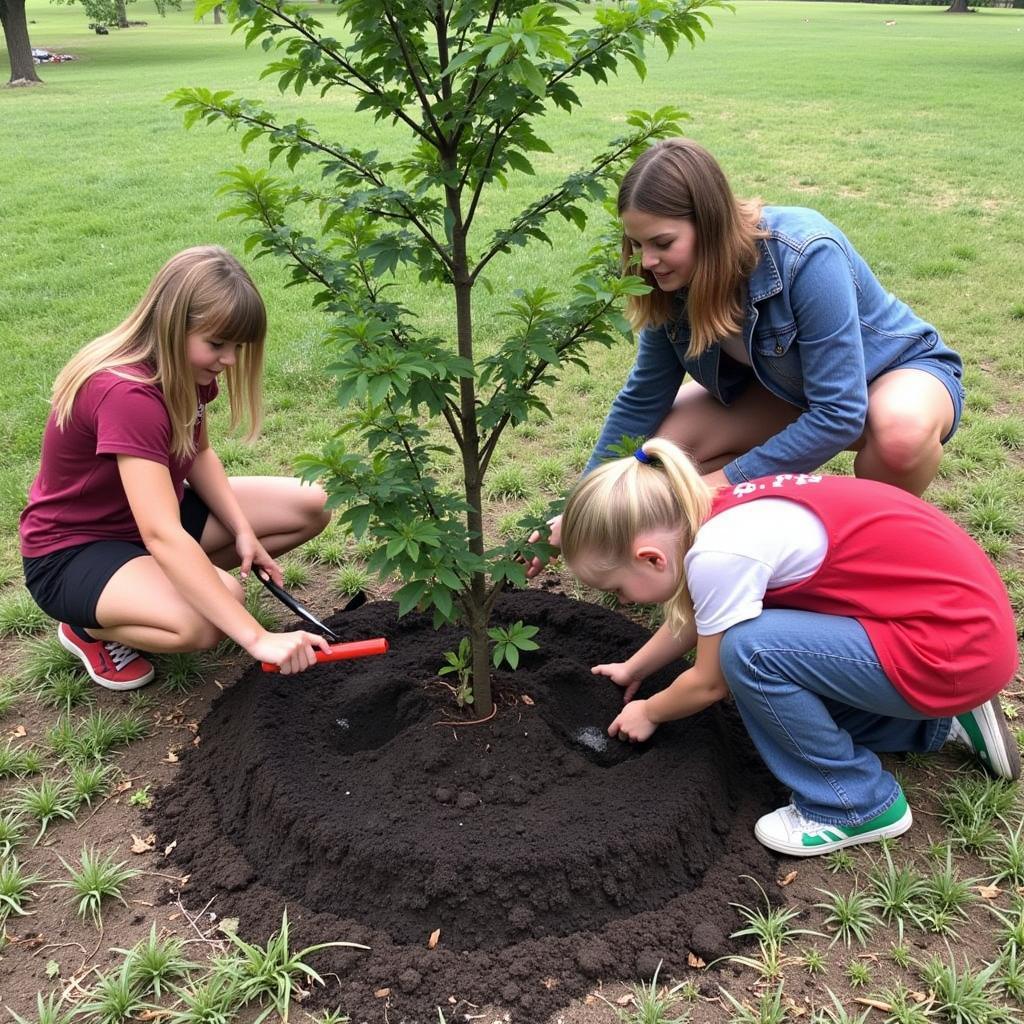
548, 855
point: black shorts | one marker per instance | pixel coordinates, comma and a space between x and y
67, 584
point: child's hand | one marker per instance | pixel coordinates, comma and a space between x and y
251, 552
535, 566
621, 675
632, 723
291, 652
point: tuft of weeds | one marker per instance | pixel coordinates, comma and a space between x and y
260, 608
508, 484
16, 761
813, 960
899, 954
770, 925
64, 690
48, 1011
968, 806
155, 962
15, 888
326, 550
271, 972
352, 578
837, 1013
211, 1000
98, 879
20, 616
550, 474
850, 916
899, 892
1011, 937
47, 802
964, 996
904, 1007
10, 831
335, 1016
114, 998
296, 574
89, 781
1009, 976
858, 973
840, 860
9, 694
141, 798
45, 657
652, 1004
947, 897
769, 1009
1006, 856
180, 672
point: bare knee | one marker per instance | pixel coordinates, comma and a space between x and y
198, 634
314, 510
902, 443
232, 585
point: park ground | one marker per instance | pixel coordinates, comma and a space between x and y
899, 123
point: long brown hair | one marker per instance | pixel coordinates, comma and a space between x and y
620, 500
678, 178
204, 288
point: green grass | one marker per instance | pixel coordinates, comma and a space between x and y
919, 183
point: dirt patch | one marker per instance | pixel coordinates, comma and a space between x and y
547, 855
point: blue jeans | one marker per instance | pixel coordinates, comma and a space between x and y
819, 709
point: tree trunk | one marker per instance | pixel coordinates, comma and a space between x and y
218, 15
958, 7
122, 14
19, 48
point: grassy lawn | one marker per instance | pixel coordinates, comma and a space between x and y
901, 124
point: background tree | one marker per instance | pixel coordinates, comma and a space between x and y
19, 48
467, 79
114, 12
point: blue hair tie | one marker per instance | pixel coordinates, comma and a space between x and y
641, 456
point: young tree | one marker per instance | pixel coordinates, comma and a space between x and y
468, 80
19, 49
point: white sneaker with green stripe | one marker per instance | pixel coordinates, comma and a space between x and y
788, 831
986, 734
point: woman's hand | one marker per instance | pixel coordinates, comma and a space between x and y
633, 724
535, 566
291, 652
620, 674
252, 552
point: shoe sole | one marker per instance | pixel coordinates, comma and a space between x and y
897, 828
1003, 754
135, 684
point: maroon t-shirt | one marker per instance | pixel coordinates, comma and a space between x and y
77, 496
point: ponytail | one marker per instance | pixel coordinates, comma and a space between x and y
659, 488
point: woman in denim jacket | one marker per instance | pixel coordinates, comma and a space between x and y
795, 349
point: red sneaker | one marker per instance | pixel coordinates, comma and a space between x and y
109, 663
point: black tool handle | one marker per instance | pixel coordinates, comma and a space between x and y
289, 601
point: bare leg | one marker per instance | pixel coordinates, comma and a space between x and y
140, 607
282, 511
714, 434
909, 413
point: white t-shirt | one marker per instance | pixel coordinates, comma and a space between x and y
746, 550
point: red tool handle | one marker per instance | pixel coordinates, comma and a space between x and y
343, 652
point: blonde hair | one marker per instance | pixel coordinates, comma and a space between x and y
201, 289
678, 178
616, 503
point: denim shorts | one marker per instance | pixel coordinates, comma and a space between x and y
948, 372
67, 584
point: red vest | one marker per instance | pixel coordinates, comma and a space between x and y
930, 601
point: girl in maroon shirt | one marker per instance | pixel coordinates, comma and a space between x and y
132, 523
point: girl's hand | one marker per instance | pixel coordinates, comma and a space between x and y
633, 724
252, 552
621, 675
291, 652
535, 566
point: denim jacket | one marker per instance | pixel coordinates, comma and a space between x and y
818, 329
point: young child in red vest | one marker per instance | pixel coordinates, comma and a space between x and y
116, 547
846, 617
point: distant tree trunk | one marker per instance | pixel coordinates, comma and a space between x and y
19, 48
122, 14
958, 7
218, 15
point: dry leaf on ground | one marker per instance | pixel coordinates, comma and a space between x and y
143, 845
